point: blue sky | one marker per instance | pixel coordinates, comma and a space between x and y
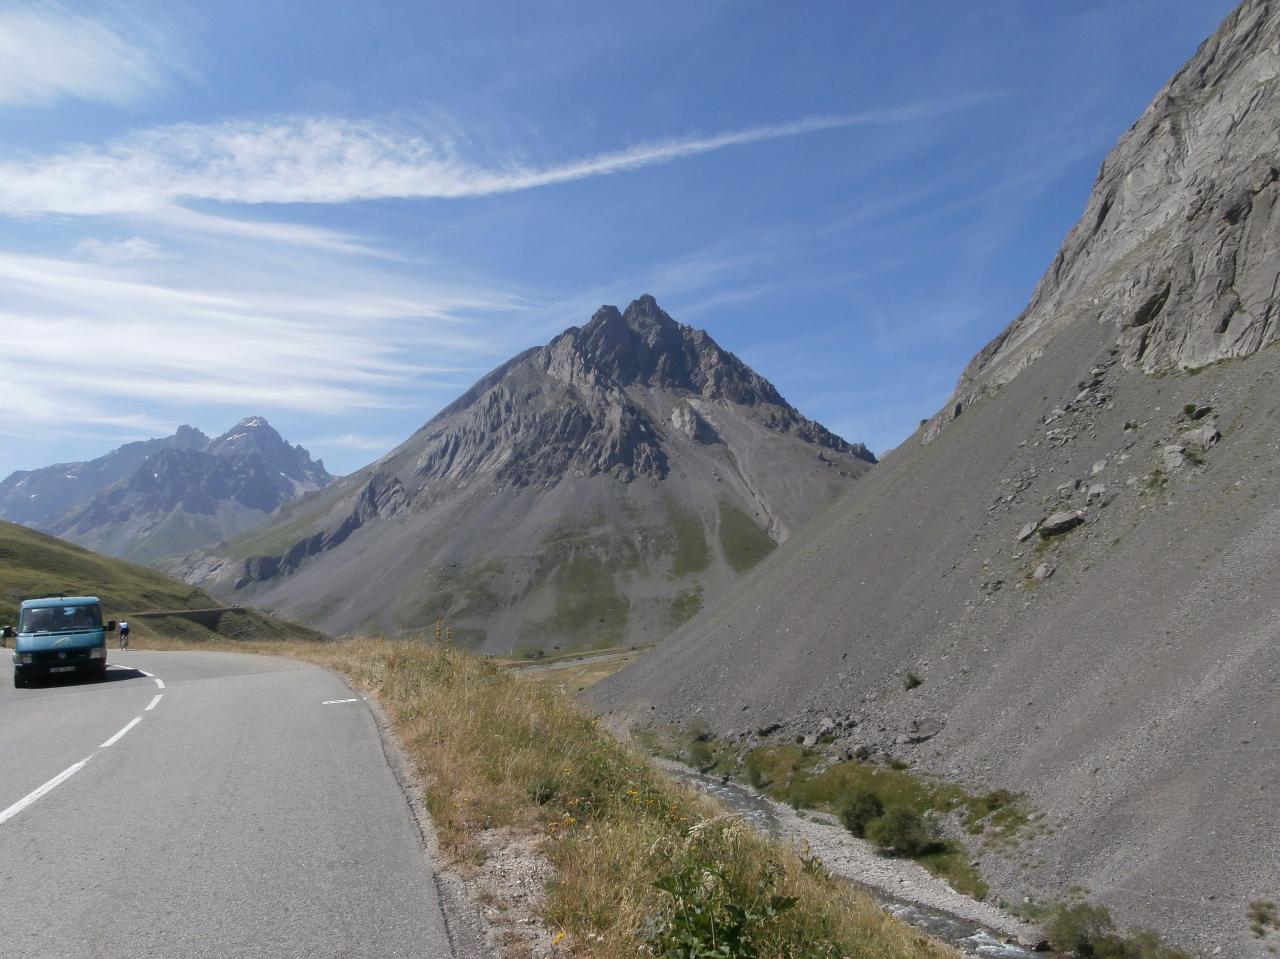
340, 215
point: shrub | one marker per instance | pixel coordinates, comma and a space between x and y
859, 809
911, 681
704, 917
1089, 932
1076, 926
1262, 916
701, 755
901, 831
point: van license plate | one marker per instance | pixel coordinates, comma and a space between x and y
63, 669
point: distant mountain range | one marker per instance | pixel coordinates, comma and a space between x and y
592, 491
165, 496
1066, 583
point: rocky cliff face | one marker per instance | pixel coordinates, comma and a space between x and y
1079, 563
589, 491
165, 496
1176, 253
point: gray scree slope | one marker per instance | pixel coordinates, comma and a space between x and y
596, 490
1124, 671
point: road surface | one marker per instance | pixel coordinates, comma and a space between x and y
221, 806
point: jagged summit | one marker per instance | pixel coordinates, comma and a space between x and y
646, 346
579, 404
189, 438
254, 434
574, 492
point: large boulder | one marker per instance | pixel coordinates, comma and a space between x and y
1059, 523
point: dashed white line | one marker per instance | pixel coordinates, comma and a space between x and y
335, 702
31, 797
70, 771
120, 735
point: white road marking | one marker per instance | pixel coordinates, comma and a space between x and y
31, 797
120, 735
335, 702
70, 771
154, 703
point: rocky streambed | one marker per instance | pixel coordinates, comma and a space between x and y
905, 888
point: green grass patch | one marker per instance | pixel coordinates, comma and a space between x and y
454, 591
685, 605
952, 861
589, 610
691, 552
743, 542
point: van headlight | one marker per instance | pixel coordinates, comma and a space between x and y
23, 659
98, 652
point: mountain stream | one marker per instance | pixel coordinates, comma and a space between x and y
967, 935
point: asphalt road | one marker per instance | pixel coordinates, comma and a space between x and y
249, 813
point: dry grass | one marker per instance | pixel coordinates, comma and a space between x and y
497, 751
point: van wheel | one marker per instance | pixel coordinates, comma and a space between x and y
19, 681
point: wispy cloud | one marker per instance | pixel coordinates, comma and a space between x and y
354, 441
48, 53
118, 250
94, 343
332, 160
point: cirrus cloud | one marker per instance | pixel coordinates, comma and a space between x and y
47, 54
333, 160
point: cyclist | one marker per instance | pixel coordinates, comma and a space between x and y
124, 634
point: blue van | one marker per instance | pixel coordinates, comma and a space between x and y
63, 634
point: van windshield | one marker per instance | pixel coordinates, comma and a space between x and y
60, 619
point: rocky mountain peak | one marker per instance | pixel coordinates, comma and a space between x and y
644, 346
254, 435
598, 399
250, 430
188, 438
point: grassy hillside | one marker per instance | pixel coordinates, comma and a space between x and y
33, 564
